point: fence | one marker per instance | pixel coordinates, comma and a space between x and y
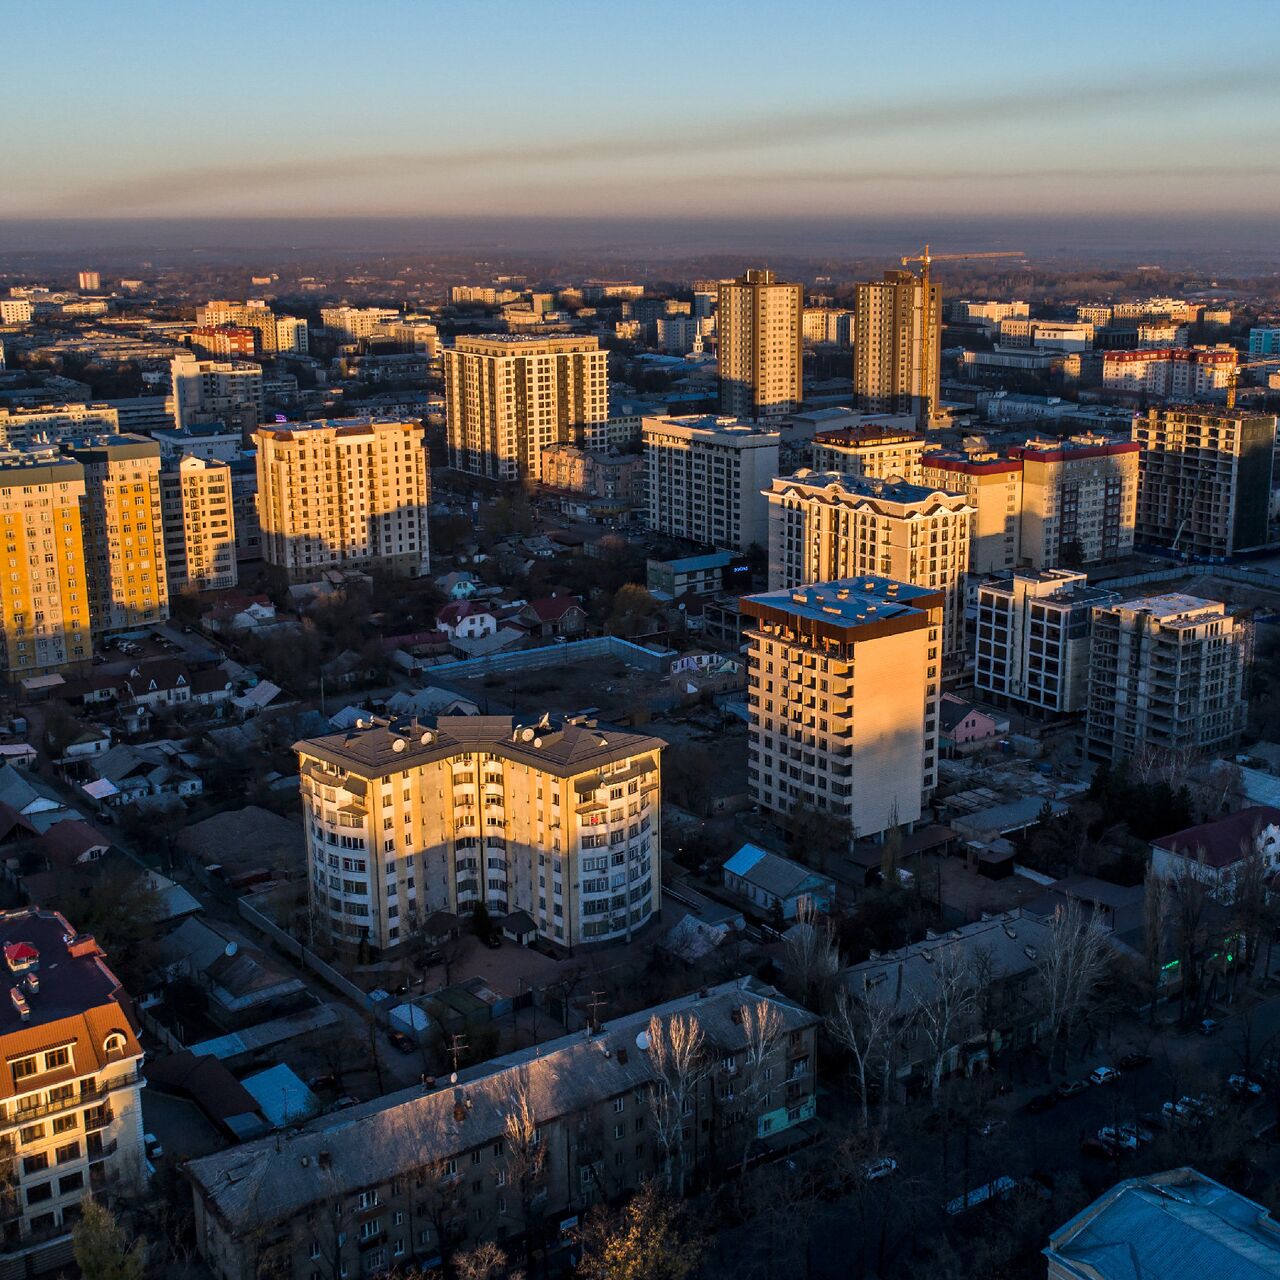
1228, 573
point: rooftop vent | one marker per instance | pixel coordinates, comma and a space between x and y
398, 745
324, 1159
33, 984
20, 1003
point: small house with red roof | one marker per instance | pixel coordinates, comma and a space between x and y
1216, 852
553, 615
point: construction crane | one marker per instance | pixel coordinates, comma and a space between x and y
1233, 378
926, 260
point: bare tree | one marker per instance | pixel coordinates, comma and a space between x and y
524, 1154
812, 958
1072, 964
680, 1062
487, 1261
944, 1010
1189, 896
868, 1029
1155, 926
762, 1028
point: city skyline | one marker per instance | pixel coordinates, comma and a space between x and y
1107, 112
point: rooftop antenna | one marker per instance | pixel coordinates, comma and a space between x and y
456, 1045
597, 999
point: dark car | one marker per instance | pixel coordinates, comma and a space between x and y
1097, 1149
401, 1041
1042, 1102
1069, 1088
322, 1082
493, 942
1135, 1059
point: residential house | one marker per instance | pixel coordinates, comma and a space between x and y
417, 1174
73, 841
1216, 852
467, 620
163, 682
458, 585
964, 727
137, 775
34, 800
776, 884
553, 615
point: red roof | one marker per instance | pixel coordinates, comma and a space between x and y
22, 952
453, 613
1224, 840
553, 608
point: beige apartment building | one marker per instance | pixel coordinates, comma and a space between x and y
509, 396
44, 610
1079, 499
70, 1088
123, 531
216, 391
872, 450
1204, 478
1033, 639
343, 493
992, 486
560, 821
350, 324
199, 525
1165, 673
20, 426
760, 346
842, 693
411, 1178
824, 526
616, 476
897, 349
705, 477
273, 333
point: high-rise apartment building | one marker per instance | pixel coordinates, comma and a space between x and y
1079, 499
992, 486
224, 342
760, 346
871, 449
123, 531
291, 335
705, 476
272, 333
842, 692
350, 324
897, 345
70, 1088
90, 281
1033, 639
20, 425
199, 525
1166, 673
15, 310
343, 493
216, 391
509, 396
1185, 375
1204, 478
1264, 340
44, 604
561, 821
824, 526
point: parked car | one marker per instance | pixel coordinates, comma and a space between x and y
1104, 1075
493, 941
322, 1082
1099, 1150
880, 1167
1042, 1102
1209, 1027
401, 1041
1069, 1088
1129, 1137
1242, 1086
1135, 1058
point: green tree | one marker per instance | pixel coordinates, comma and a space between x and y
103, 1250
481, 924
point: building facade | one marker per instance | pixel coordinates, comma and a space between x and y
20, 426
705, 477
897, 348
815, 655
199, 525
350, 324
1033, 639
824, 526
870, 450
992, 486
343, 493
217, 391
760, 346
1171, 373
562, 822
509, 396
415, 1176
597, 475
1204, 478
1166, 673
70, 1088
123, 531
44, 608
1079, 499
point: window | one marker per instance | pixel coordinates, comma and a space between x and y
35, 1163
56, 1058
23, 1067
72, 1182
34, 1132
40, 1192
68, 1153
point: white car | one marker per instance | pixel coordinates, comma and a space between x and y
881, 1167
1118, 1137
1240, 1085
1104, 1075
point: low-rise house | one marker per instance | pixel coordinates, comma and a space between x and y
208, 1084
964, 727
416, 1175
22, 754
73, 841
915, 980
1217, 852
459, 585
1174, 1225
132, 775
553, 615
467, 620
776, 884
237, 615
36, 801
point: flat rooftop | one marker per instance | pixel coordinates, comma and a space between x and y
899, 491
850, 602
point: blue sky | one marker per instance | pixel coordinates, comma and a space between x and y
701, 108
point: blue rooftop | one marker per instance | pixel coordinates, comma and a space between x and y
851, 601
690, 564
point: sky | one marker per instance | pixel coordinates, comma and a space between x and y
706, 109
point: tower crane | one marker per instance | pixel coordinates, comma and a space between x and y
1233, 378
926, 260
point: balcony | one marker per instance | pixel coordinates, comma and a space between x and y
88, 1094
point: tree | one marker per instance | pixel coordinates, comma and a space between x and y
524, 1153
102, 1248
812, 959
647, 1239
1069, 969
1155, 926
866, 1029
481, 923
762, 1029
680, 1062
943, 1011
816, 838
487, 1261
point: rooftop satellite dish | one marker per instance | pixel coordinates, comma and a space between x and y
398, 745
232, 948
642, 1042
453, 1077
